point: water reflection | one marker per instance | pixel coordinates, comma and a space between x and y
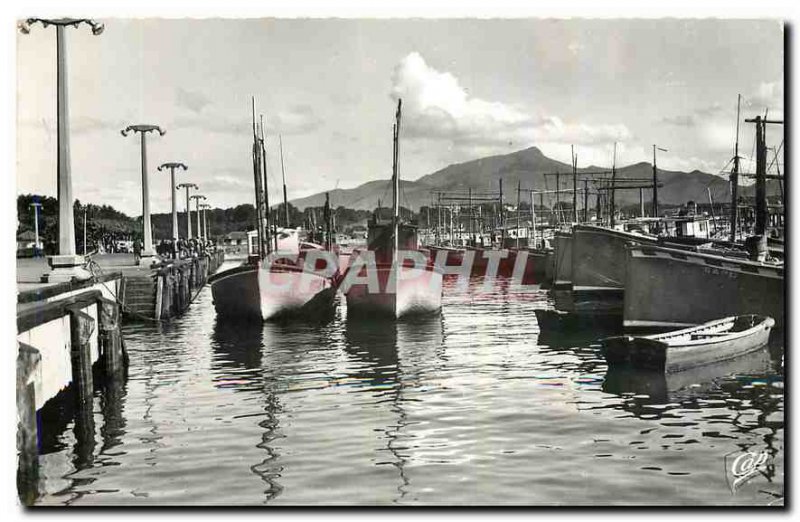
693, 383
480, 404
734, 400
236, 350
241, 362
391, 358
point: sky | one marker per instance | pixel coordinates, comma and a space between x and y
328, 87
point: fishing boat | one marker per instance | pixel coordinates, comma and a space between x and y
278, 280
598, 260
670, 287
562, 261
539, 265
447, 255
667, 287
392, 277
690, 347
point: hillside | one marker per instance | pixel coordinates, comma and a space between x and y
527, 166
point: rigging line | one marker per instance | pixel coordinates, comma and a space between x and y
775, 158
718, 175
403, 192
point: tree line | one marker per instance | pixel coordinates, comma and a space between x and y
106, 225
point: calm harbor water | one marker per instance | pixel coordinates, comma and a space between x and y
477, 406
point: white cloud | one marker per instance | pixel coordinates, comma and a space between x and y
297, 119
437, 106
767, 95
194, 101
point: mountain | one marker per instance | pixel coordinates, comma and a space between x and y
528, 167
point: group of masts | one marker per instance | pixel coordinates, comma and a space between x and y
604, 184
266, 229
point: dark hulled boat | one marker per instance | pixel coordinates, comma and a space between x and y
669, 287
599, 264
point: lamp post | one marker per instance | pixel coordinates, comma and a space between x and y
143, 129
36, 206
66, 264
205, 220
187, 186
172, 188
197, 198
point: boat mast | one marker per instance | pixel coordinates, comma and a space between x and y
428, 214
283, 174
267, 217
655, 184
533, 219
557, 206
469, 240
762, 213
450, 218
734, 178
598, 209
439, 220
711, 202
257, 186
502, 218
585, 200
396, 184
519, 196
574, 185
327, 211
613, 184
761, 178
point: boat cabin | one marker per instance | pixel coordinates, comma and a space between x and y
380, 241
688, 226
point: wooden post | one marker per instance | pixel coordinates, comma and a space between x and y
81, 327
159, 296
110, 338
28, 361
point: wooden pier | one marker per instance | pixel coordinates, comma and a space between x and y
166, 291
69, 341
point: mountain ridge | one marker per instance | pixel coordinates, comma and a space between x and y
528, 167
